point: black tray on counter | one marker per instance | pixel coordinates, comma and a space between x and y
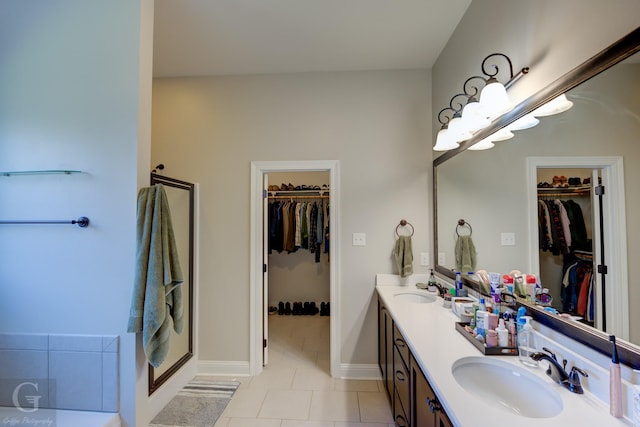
487, 351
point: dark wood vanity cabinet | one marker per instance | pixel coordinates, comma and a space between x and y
412, 399
427, 411
385, 349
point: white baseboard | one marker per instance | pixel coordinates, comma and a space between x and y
228, 368
359, 372
223, 367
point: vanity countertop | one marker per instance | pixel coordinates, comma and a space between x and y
430, 332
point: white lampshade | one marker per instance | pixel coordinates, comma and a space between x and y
525, 122
484, 144
555, 106
457, 129
473, 118
502, 135
444, 142
494, 100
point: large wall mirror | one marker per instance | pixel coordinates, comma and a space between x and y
498, 191
181, 197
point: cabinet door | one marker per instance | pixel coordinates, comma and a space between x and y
424, 399
382, 342
389, 354
442, 420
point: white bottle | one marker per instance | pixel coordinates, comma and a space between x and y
503, 334
525, 343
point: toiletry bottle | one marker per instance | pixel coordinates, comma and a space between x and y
512, 333
481, 322
503, 334
520, 319
615, 382
525, 343
492, 338
458, 282
432, 280
482, 306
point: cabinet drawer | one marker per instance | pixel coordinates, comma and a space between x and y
401, 381
399, 416
401, 345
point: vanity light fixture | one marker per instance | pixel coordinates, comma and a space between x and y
525, 122
484, 144
444, 140
494, 100
501, 135
473, 115
557, 105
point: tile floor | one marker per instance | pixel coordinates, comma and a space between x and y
296, 390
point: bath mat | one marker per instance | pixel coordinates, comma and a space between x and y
199, 404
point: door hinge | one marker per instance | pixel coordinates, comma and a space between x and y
602, 269
599, 190
264, 343
264, 193
264, 268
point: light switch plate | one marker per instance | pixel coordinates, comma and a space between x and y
359, 239
508, 239
442, 258
424, 259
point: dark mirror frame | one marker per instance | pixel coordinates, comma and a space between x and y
617, 52
155, 383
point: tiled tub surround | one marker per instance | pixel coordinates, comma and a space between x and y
430, 334
81, 371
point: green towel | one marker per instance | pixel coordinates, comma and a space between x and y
403, 255
465, 253
157, 294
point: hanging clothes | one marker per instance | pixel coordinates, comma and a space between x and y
298, 225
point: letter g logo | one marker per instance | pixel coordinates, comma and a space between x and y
34, 399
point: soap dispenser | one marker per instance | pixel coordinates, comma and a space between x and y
525, 343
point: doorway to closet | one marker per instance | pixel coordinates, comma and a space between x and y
600, 241
304, 276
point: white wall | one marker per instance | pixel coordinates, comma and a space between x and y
376, 124
69, 99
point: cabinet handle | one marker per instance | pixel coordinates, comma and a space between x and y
434, 405
400, 342
401, 422
400, 376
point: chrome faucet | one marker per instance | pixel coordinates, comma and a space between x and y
558, 373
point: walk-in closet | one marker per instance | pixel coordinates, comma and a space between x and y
299, 231
566, 239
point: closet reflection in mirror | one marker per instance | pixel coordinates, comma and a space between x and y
496, 192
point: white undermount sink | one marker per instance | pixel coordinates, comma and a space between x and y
507, 386
414, 297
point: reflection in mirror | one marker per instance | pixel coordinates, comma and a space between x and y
180, 195
492, 189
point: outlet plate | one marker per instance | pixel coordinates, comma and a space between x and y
424, 259
442, 258
508, 239
359, 239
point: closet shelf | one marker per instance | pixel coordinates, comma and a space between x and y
582, 190
41, 172
298, 194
